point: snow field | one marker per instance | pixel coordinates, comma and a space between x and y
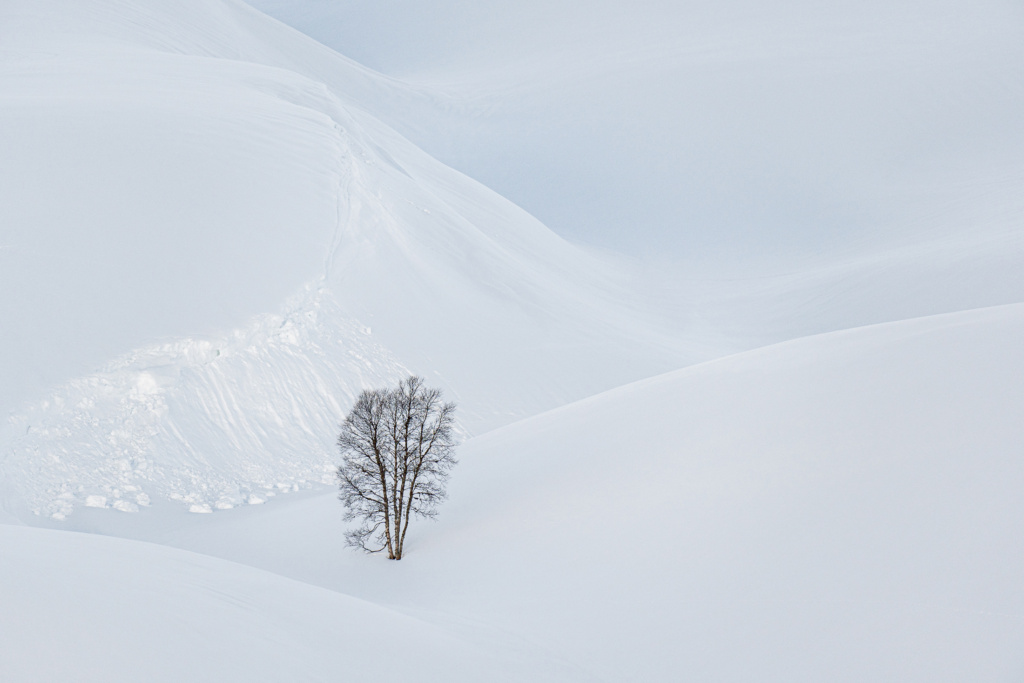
133, 611
842, 507
183, 178
157, 424
211, 239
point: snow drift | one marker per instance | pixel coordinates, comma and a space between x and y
843, 507
209, 247
133, 611
794, 167
211, 242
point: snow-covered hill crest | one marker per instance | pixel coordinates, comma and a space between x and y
181, 172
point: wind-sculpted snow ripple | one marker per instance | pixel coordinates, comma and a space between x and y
209, 423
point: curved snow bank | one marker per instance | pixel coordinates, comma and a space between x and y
176, 171
844, 507
133, 611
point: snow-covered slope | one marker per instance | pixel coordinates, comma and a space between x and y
208, 247
796, 166
138, 612
209, 241
843, 507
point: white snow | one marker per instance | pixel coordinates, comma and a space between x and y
790, 166
843, 507
212, 238
119, 610
203, 220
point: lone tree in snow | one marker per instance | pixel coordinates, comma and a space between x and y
397, 449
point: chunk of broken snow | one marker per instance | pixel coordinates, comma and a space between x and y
96, 501
200, 508
146, 384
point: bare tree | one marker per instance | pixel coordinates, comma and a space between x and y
397, 449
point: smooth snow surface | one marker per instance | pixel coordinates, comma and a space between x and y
793, 166
139, 612
843, 507
215, 231
209, 247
